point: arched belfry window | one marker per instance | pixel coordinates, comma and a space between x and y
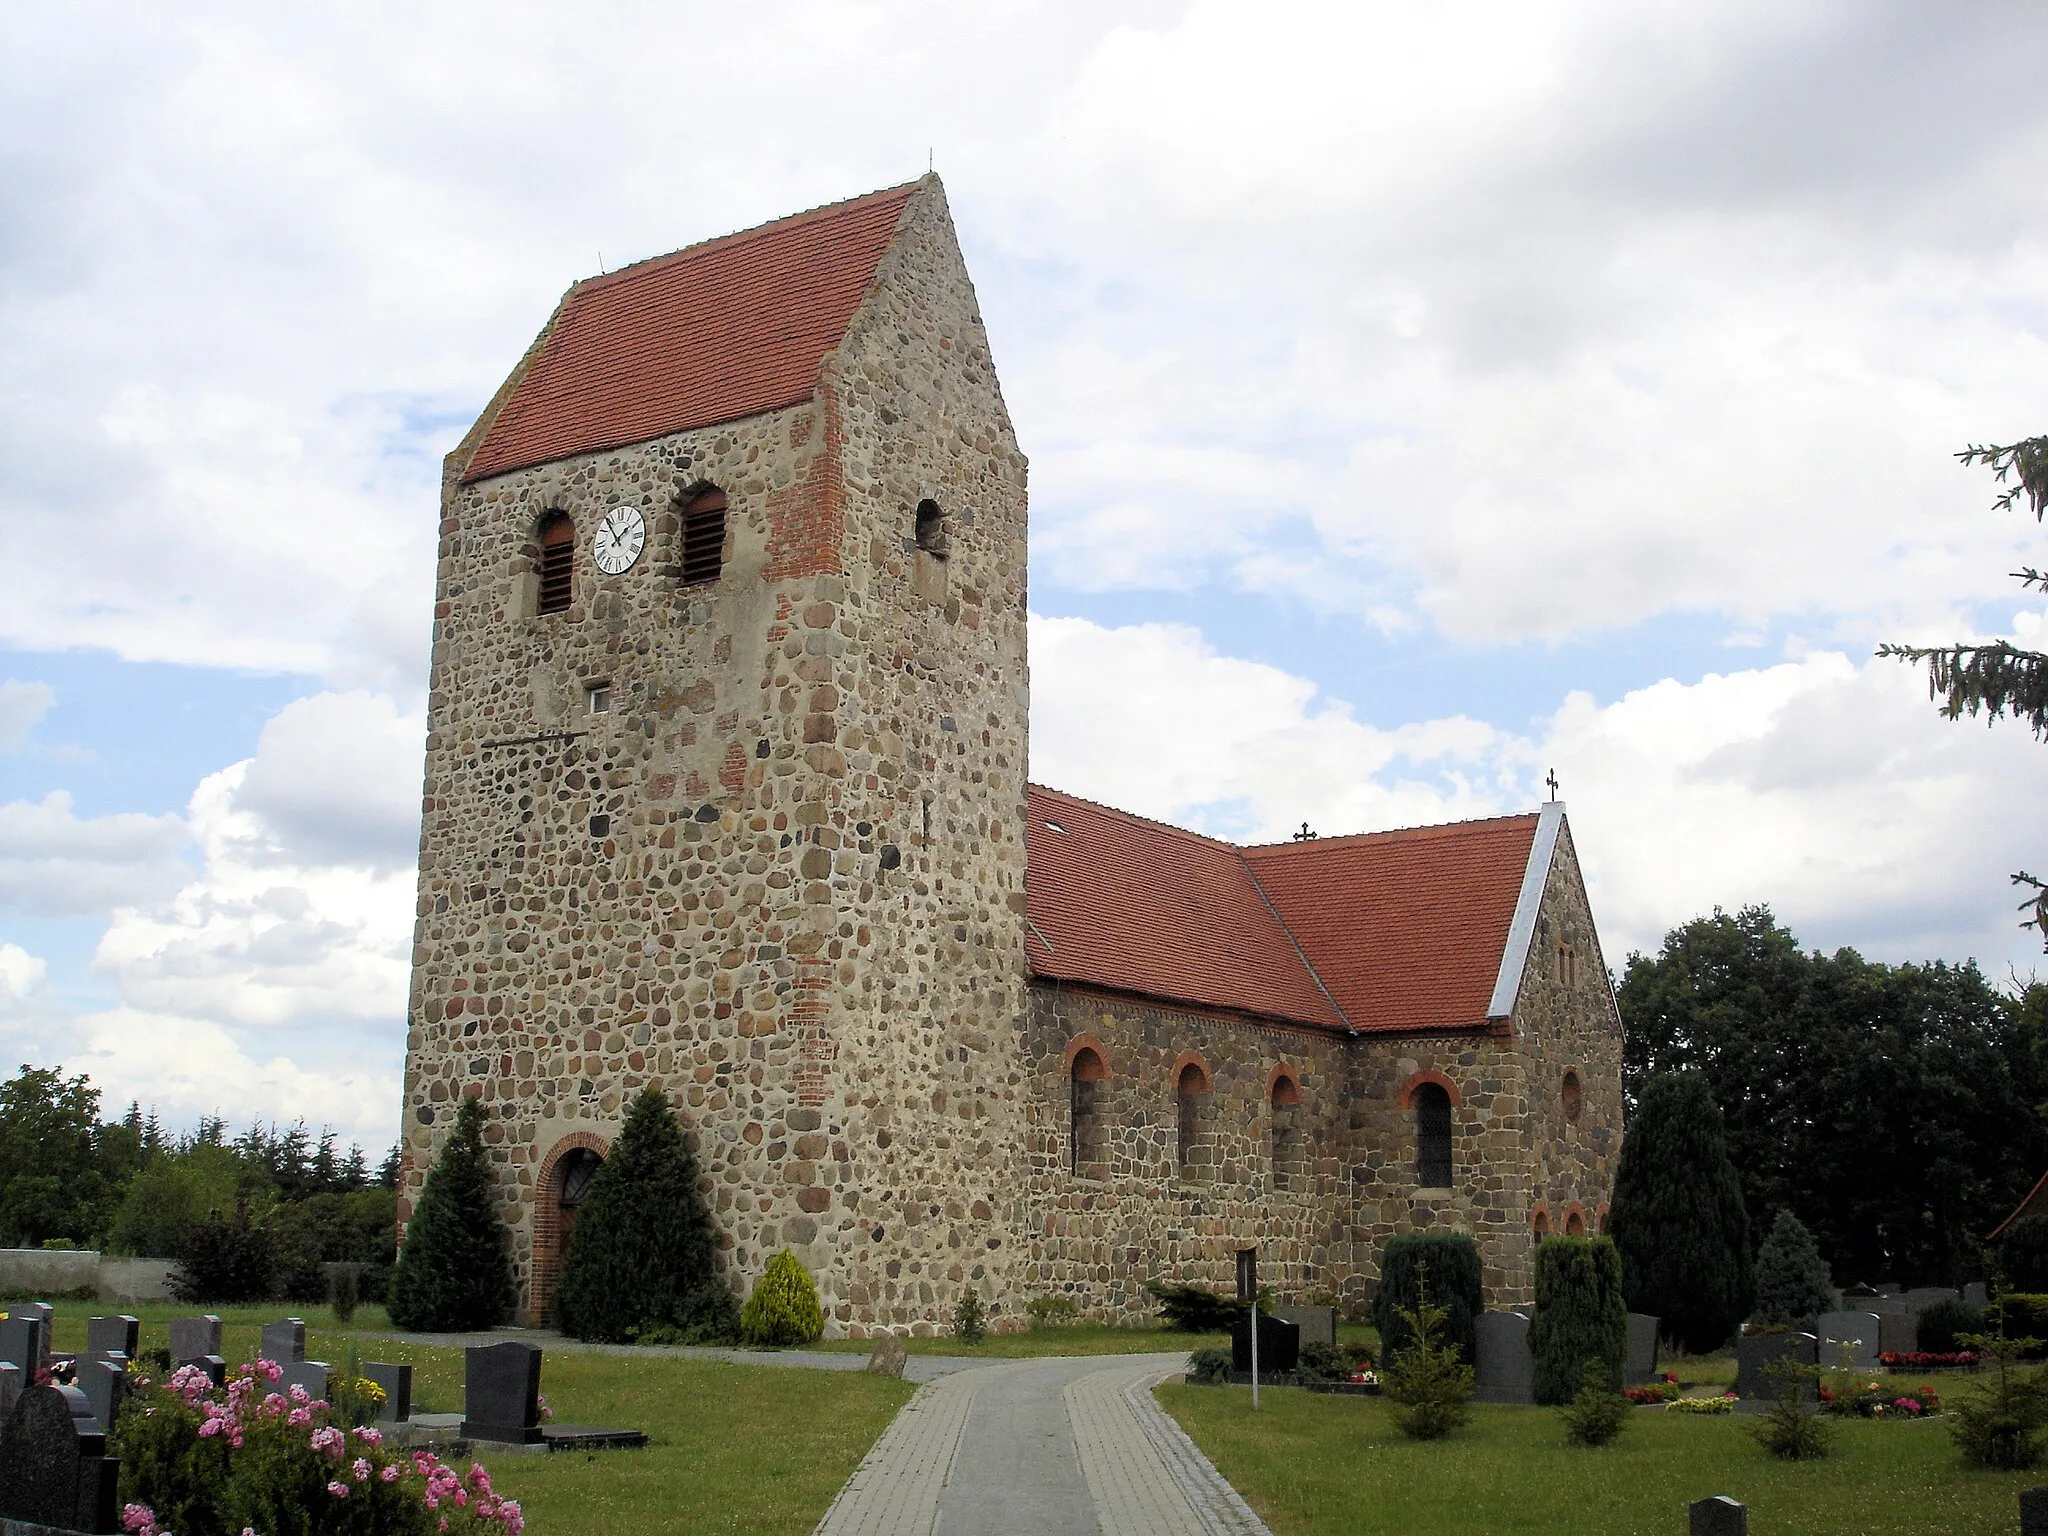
1190, 1089
1085, 1130
703, 537
557, 538
1432, 1136
931, 528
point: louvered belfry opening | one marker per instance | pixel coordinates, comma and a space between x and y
703, 537
557, 561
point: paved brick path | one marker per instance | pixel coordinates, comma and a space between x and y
1052, 1447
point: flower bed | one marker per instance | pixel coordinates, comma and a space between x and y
1722, 1404
201, 1461
1874, 1400
1652, 1393
1894, 1360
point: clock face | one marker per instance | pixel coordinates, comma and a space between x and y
619, 540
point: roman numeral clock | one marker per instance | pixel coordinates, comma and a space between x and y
619, 540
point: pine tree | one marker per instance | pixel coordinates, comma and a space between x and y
1678, 1217
454, 1271
1792, 1280
1580, 1316
643, 1257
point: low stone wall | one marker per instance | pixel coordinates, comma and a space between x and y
51, 1271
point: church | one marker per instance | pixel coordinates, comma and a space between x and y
727, 792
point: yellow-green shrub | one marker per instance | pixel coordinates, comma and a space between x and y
783, 1308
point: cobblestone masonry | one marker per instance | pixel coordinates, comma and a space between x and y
781, 877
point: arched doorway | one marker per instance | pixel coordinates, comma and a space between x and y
564, 1181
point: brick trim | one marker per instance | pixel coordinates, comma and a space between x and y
547, 1221
1193, 1059
1575, 1212
1539, 1219
1406, 1097
1076, 1046
1282, 1073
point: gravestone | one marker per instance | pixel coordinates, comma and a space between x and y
48, 1316
1641, 1360
1976, 1295
1887, 1287
1507, 1371
1859, 1330
888, 1357
56, 1471
396, 1380
310, 1374
106, 1336
1318, 1325
104, 1383
501, 1393
24, 1344
1756, 1352
2034, 1512
213, 1366
194, 1338
1921, 1297
10, 1388
1279, 1346
1885, 1306
1718, 1516
1898, 1335
284, 1341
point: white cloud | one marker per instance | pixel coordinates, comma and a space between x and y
56, 864
336, 780
22, 705
23, 976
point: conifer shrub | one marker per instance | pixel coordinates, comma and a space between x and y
1943, 1324
2023, 1254
2020, 1317
782, 1310
1579, 1316
1597, 1412
454, 1270
1792, 1428
1191, 1309
225, 1258
1678, 1217
643, 1258
970, 1318
1452, 1261
1209, 1367
1792, 1280
1427, 1379
1999, 1426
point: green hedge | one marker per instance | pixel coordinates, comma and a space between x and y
2023, 1255
1452, 1259
783, 1308
1580, 1315
2025, 1316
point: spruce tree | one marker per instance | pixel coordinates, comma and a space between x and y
1580, 1318
1678, 1217
454, 1270
1792, 1280
642, 1261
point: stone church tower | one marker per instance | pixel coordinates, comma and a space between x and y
726, 759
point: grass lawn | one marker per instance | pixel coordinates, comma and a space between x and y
734, 1448
1313, 1464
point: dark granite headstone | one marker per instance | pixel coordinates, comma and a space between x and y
1859, 1330
10, 1388
1921, 1297
2034, 1512
193, 1338
1898, 1335
112, 1336
1718, 1516
104, 1383
56, 1471
214, 1366
48, 1314
1279, 1346
1507, 1372
1884, 1306
501, 1393
1975, 1295
24, 1343
1318, 1325
310, 1374
396, 1380
1641, 1362
284, 1341
1756, 1352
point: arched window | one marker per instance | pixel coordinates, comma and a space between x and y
1568, 965
1189, 1089
1432, 1136
1286, 1130
1540, 1223
1574, 1222
1085, 1128
557, 536
1573, 1097
931, 528
704, 537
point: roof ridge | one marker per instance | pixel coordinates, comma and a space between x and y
735, 237
1150, 821
1417, 830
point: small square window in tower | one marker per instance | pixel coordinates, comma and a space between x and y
703, 538
557, 537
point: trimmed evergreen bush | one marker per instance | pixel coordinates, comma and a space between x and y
1792, 1280
782, 1310
644, 1254
454, 1270
1580, 1315
1942, 1323
1452, 1259
1678, 1216
2023, 1254
1191, 1309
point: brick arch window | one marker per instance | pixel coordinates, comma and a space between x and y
1190, 1088
1539, 1221
1284, 1116
556, 537
1433, 1163
703, 536
1575, 1222
1087, 1070
1572, 1097
564, 1177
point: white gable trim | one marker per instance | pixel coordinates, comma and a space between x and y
1514, 959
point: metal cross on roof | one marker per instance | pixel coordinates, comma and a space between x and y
1304, 835
1550, 778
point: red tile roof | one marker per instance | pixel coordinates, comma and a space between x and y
712, 333
1384, 932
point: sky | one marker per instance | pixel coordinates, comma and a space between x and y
1420, 399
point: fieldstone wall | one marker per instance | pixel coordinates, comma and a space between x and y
781, 877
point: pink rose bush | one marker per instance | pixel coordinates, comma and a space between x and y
246, 1459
